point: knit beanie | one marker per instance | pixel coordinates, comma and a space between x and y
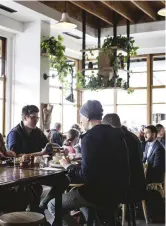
92, 110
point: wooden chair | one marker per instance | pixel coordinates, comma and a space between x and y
158, 187
22, 219
154, 186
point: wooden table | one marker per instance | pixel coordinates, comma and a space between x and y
10, 176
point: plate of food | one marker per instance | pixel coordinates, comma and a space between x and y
55, 162
55, 165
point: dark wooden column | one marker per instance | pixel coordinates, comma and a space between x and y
99, 34
128, 55
83, 40
115, 35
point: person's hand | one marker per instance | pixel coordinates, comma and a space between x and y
65, 162
10, 154
1, 155
66, 151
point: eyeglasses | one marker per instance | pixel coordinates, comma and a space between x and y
34, 117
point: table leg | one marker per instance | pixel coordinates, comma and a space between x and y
58, 208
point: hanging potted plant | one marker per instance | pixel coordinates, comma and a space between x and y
107, 57
55, 50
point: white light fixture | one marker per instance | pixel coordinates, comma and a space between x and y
162, 12
65, 22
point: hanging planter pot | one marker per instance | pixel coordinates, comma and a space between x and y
121, 61
44, 51
90, 65
105, 64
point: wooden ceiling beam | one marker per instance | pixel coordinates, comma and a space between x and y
120, 9
92, 8
146, 8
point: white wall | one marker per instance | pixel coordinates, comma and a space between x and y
26, 79
44, 67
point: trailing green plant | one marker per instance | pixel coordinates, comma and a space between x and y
53, 47
108, 58
55, 50
121, 42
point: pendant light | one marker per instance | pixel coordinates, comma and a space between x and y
162, 12
65, 22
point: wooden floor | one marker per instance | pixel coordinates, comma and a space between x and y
138, 222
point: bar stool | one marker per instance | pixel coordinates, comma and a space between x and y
22, 219
131, 212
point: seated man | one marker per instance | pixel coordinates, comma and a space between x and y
26, 138
104, 169
55, 134
154, 156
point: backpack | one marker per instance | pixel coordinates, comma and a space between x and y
155, 206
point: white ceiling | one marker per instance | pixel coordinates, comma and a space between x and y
23, 13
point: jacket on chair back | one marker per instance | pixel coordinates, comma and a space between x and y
137, 188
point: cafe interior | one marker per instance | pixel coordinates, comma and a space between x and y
68, 68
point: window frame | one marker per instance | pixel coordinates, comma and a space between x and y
3, 79
77, 97
149, 59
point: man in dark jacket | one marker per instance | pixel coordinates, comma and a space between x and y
137, 187
26, 138
104, 169
154, 156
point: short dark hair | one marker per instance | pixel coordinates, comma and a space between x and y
76, 126
29, 109
159, 127
112, 119
152, 128
73, 133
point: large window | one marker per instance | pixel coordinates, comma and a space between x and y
2, 85
63, 110
106, 97
148, 78
138, 77
159, 90
132, 108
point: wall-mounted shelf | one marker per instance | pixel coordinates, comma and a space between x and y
107, 68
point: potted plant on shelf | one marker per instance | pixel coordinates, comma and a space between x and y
109, 62
114, 43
